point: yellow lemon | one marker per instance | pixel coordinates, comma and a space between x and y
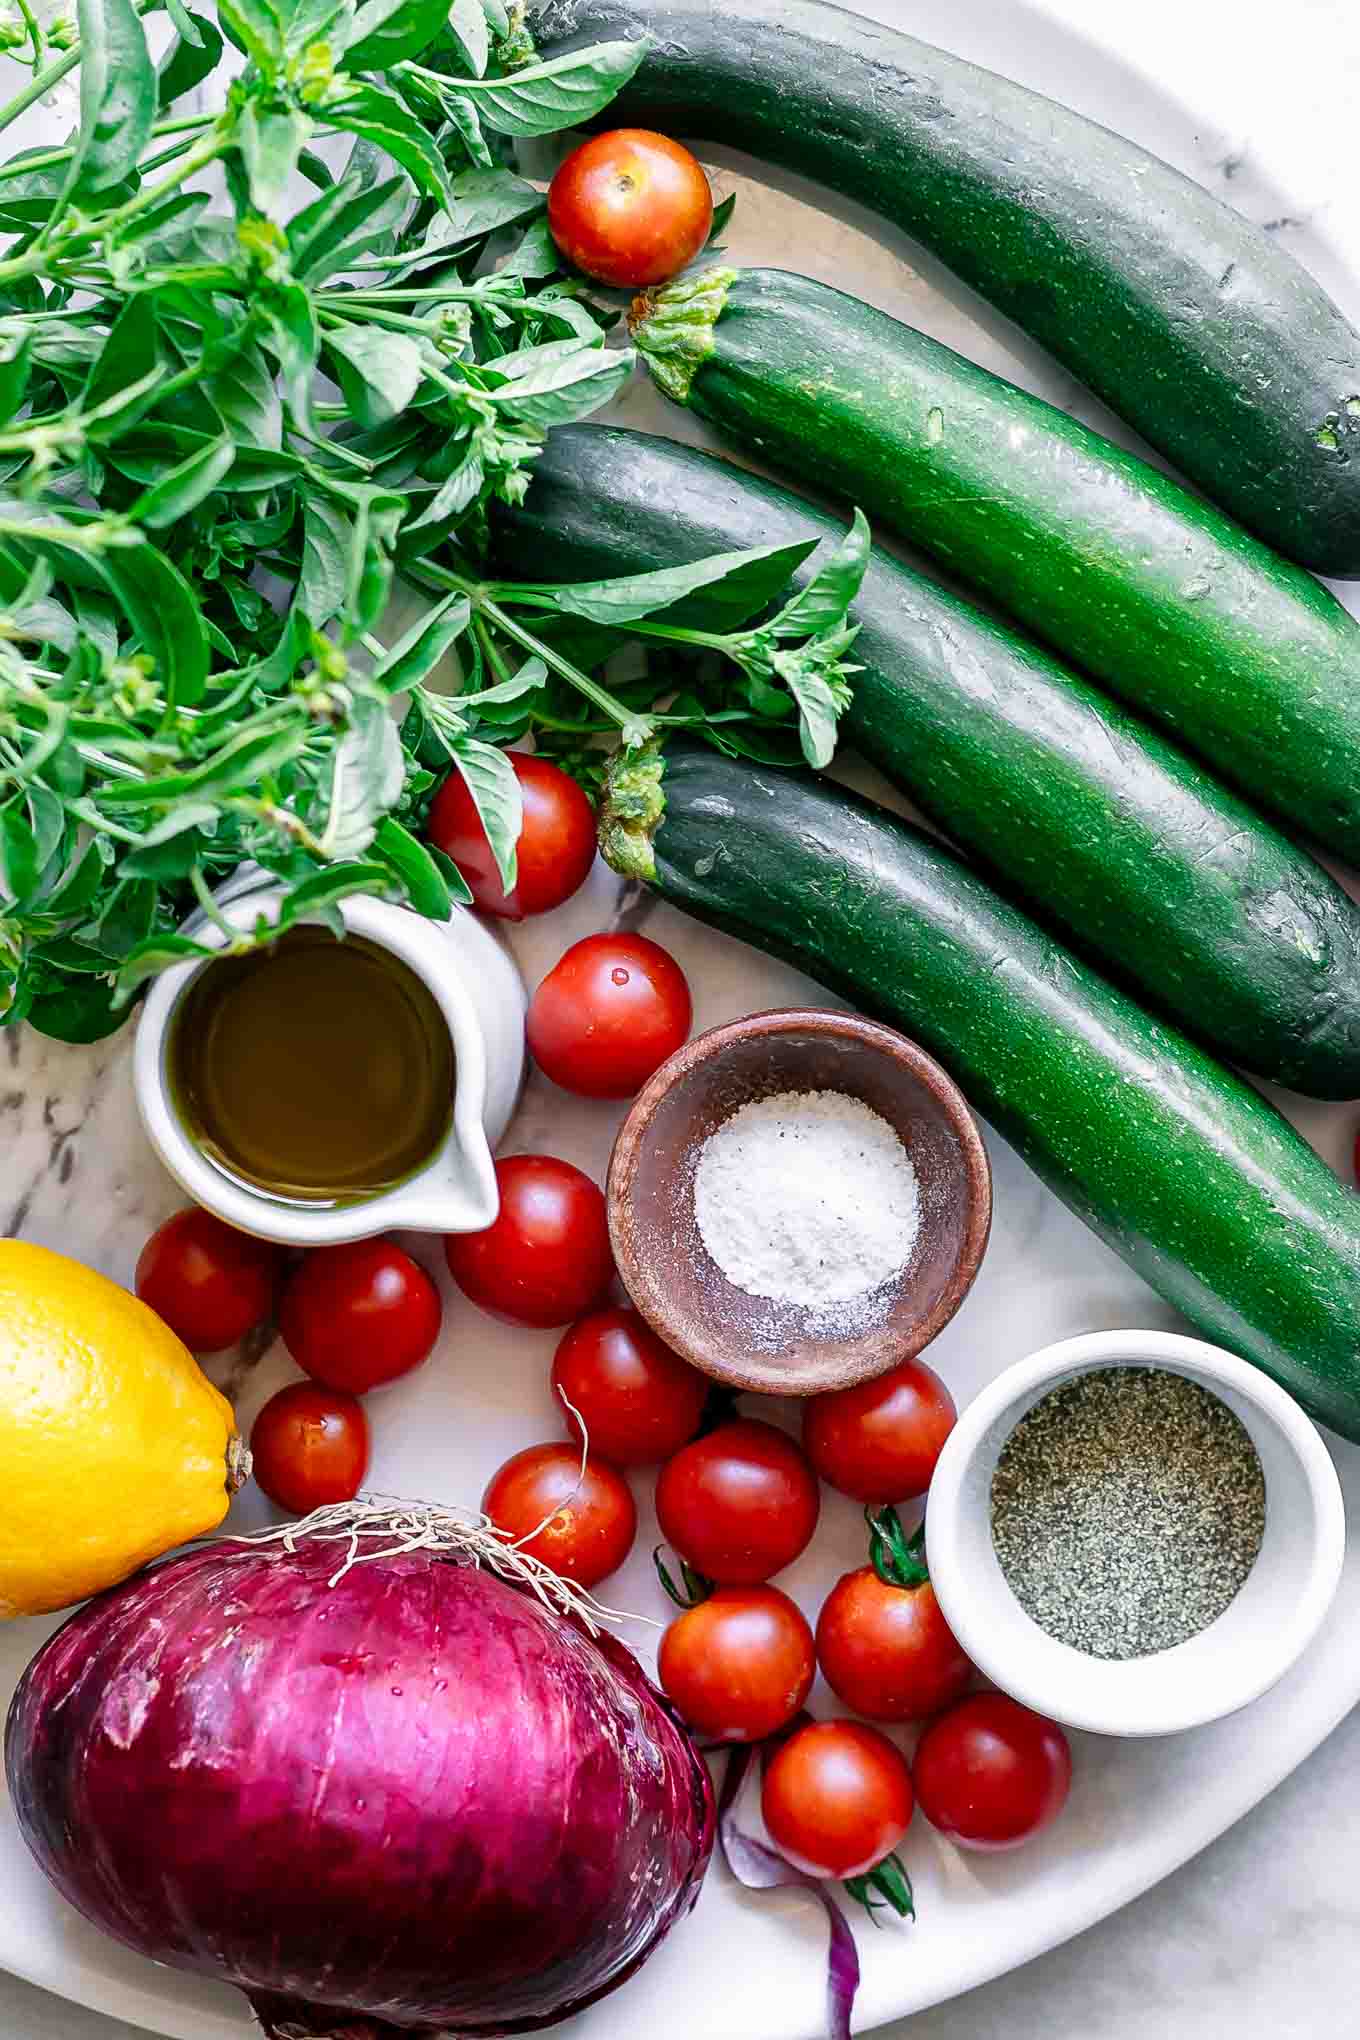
114, 1446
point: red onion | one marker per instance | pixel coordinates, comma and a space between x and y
412, 1798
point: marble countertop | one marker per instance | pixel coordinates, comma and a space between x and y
1260, 1935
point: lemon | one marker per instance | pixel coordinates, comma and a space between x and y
114, 1446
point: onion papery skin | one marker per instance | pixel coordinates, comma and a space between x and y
415, 1800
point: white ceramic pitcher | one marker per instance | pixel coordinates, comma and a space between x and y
481, 995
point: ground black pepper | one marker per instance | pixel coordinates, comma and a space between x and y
1128, 1507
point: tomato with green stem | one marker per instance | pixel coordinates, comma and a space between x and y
837, 1798
738, 1665
883, 1644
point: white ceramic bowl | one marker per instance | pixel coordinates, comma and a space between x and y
1255, 1640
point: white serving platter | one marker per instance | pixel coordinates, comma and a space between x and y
750, 1967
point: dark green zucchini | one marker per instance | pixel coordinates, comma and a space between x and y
1180, 1166
1110, 833
1249, 660
1191, 322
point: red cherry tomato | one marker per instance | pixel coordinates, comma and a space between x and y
630, 207
309, 1446
739, 1504
608, 1014
638, 1401
359, 1315
887, 1651
837, 1798
210, 1283
880, 1440
556, 840
580, 1524
989, 1773
545, 1258
740, 1665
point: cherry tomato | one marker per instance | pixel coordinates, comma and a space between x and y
545, 1258
580, 1524
608, 1014
556, 845
880, 1440
208, 1282
359, 1315
309, 1445
837, 1798
989, 1773
887, 1651
638, 1401
630, 207
740, 1665
739, 1504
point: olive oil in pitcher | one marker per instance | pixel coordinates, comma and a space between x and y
318, 1071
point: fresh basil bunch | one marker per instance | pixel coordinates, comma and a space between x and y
232, 424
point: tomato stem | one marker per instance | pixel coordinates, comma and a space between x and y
898, 1560
887, 1884
695, 1587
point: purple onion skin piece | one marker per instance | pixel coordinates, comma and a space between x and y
416, 1801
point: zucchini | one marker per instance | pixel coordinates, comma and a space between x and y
1108, 831
1178, 1165
1248, 660
1194, 324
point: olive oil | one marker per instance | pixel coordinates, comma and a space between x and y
318, 1071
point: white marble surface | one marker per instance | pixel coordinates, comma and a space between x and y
1261, 1934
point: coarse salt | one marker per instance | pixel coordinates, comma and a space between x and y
809, 1198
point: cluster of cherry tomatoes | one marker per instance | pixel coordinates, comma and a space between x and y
738, 1502
737, 1499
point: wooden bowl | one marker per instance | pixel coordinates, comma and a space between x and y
756, 1342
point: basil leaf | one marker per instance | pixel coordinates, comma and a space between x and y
287, 312
490, 779
256, 29
566, 387
20, 868
823, 603
460, 892
530, 676
130, 353
327, 888
343, 223
15, 367
722, 213
117, 96
481, 200
463, 119
381, 118
192, 58
386, 31
326, 535
366, 779
419, 650
425, 887
467, 24
315, 21
379, 372
245, 397
626, 598
79, 1011
181, 488
563, 93
271, 139
536, 255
